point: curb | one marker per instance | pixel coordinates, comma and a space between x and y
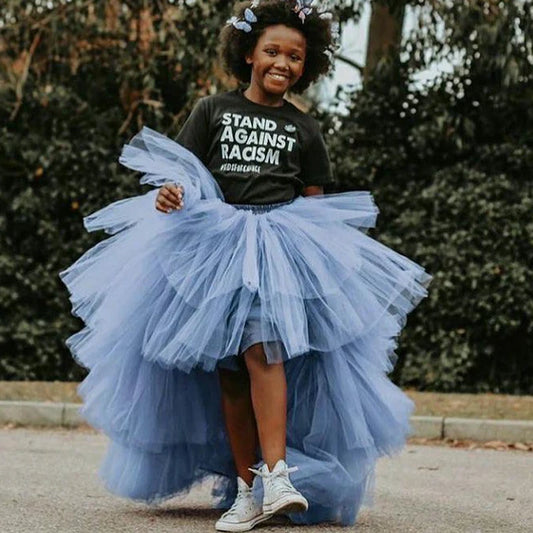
483, 430
49, 414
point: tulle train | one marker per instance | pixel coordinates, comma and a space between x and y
168, 298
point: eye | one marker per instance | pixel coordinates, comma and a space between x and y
296, 57
271, 51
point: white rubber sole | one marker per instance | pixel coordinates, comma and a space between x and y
242, 526
295, 503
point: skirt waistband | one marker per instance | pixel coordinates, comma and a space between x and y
261, 208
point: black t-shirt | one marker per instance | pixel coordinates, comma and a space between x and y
258, 154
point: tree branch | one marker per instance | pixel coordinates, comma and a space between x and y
350, 62
24, 76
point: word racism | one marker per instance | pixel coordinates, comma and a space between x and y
252, 139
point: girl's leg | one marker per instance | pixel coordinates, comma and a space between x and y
240, 420
269, 399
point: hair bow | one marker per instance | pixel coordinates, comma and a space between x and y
303, 8
243, 24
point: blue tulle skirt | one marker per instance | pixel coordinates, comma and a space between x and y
169, 298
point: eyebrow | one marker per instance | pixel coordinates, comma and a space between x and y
293, 49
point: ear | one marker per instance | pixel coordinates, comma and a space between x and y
248, 59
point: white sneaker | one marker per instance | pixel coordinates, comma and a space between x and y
245, 512
279, 494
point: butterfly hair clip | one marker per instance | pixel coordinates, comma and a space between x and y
246, 23
303, 8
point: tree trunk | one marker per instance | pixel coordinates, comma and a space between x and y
384, 34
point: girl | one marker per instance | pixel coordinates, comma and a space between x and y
243, 330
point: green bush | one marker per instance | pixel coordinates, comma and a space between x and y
451, 168
96, 73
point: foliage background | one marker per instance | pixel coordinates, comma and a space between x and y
450, 165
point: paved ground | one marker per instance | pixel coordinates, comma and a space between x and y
48, 483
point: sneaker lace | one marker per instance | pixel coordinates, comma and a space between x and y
280, 478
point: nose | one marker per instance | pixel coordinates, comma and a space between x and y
281, 62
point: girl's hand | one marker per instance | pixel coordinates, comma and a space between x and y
313, 190
169, 197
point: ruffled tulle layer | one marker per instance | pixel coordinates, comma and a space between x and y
168, 298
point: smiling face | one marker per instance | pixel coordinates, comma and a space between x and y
277, 64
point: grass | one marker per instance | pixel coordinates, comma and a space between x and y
494, 406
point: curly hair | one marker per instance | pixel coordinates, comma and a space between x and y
236, 44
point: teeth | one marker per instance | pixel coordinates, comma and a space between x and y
278, 76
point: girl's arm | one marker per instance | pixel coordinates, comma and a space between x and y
313, 190
315, 169
194, 136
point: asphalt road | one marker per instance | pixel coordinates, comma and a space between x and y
48, 483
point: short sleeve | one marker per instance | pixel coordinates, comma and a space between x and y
194, 135
315, 163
